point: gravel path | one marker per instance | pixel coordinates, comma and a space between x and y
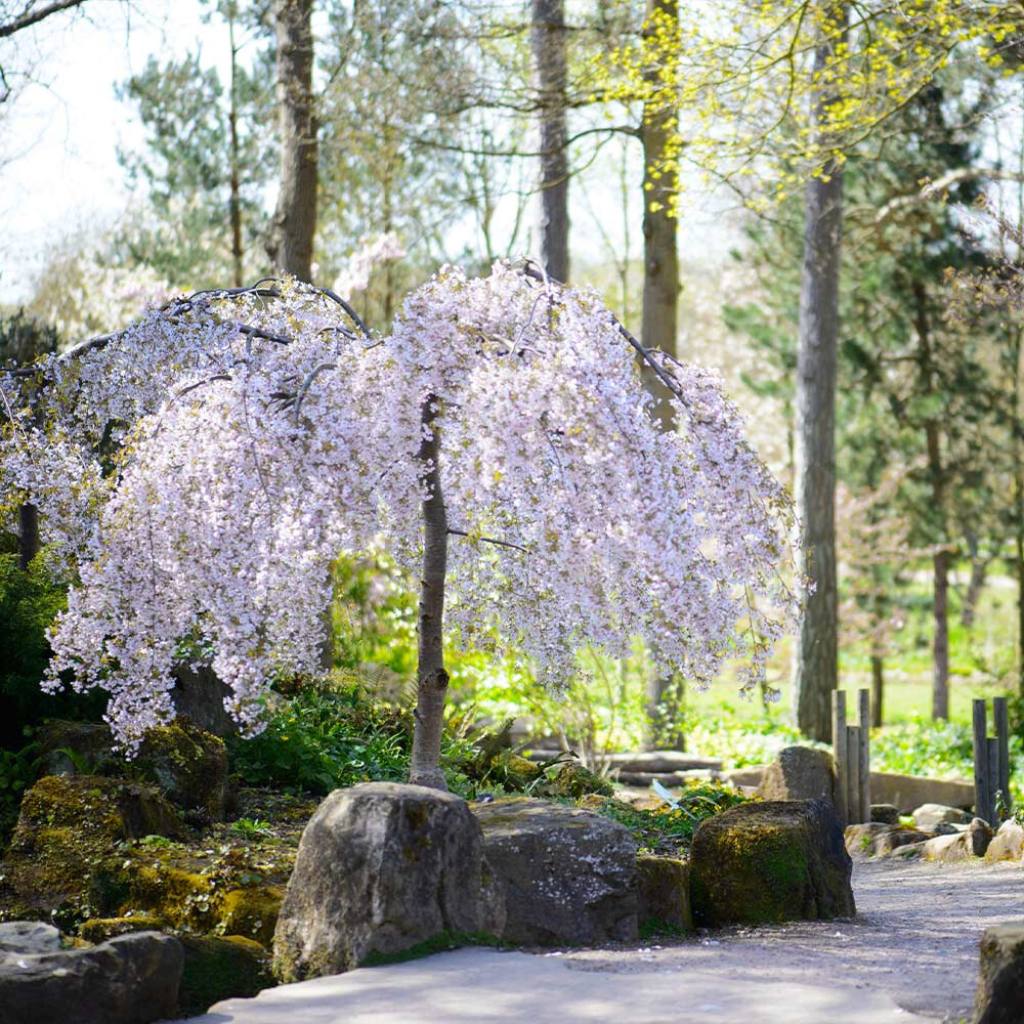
915, 939
910, 956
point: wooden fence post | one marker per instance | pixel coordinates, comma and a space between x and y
980, 733
853, 775
1001, 714
839, 753
863, 754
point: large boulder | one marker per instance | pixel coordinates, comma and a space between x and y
1007, 843
1000, 995
29, 937
132, 979
972, 842
67, 826
569, 874
927, 816
772, 861
800, 773
187, 764
383, 868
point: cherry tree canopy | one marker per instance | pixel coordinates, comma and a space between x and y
260, 432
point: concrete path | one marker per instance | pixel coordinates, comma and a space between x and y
910, 956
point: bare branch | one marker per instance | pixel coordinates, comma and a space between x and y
489, 540
30, 17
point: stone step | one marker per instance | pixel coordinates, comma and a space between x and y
667, 779
652, 762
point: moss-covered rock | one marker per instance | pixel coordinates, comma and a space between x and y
99, 929
571, 779
663, 888
189, 766
221, 967
78, 748
68, 825
770, 861
251, 912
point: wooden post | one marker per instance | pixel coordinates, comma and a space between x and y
863, 753
1001, 715
852, 775
992, 746
839, 753
980, 729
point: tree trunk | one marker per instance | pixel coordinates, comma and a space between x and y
432, 679
28, 535
975, 585
877, 689
937, 476
659, 325
236, 198
547, 37
940, 676
294, 224
816, 669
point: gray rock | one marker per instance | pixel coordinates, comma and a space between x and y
570, 875
1000, 995
909, 791
972, 842
800, 773
381, 868
948, 828
29, 937
891, 840
888, 814
912, 851
1007, 843
772, 861
927, 816
132, 979
859, 838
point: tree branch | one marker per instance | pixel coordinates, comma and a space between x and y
30, 17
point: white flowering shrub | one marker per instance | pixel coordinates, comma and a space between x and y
260, 433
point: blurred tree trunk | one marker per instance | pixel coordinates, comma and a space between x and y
28, 534
976, 582
235, 202
816, 669
660, 317
937, 477
547, 37
294, 225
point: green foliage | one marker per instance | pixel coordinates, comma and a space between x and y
670, 830
921, 747
18, 770
324, 737
721, 731
29, 602
252, 827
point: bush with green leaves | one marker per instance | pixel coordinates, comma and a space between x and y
332, 734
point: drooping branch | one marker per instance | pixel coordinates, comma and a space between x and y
32, 17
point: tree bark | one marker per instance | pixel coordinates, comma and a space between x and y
660, 317
975, 585
236, 198
937, 476
294, 223
432, 679
547, 37
28, 534
816, 669
659, 324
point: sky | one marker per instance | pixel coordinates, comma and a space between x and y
60, 135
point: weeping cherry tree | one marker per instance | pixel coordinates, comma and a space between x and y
498, 443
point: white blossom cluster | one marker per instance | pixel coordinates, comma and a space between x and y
265, 435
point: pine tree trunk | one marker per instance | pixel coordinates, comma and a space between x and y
236, 198
816, 670
940, 677
660, 318
294, 224
975, 585
659, 324
432, 679
547, 38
